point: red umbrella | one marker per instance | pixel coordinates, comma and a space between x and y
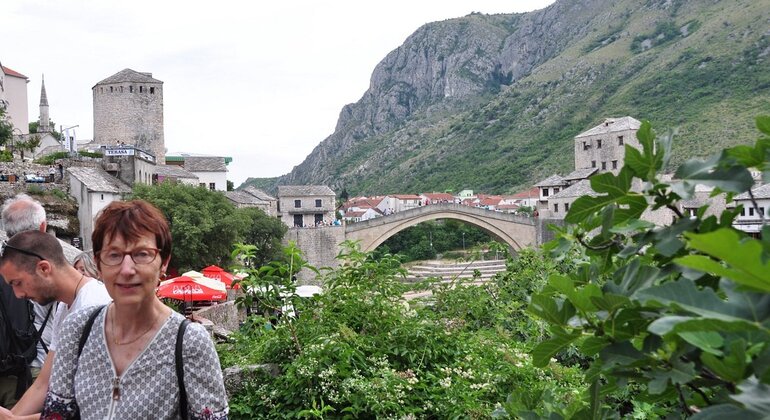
190, 289
218, 273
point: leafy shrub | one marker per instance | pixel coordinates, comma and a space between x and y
49, 159
678, 313
6, 156
360, 350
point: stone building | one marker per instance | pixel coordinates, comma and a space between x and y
254, 197
305, 205
128, 110
603, 146
93, 189
174, 173
130, 164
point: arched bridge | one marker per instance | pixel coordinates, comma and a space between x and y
516, 231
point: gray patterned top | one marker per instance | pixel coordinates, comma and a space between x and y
147, 389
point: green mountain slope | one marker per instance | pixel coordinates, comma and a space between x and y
492, 103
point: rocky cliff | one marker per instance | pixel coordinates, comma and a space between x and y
491, 102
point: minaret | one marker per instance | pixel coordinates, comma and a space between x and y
44, 122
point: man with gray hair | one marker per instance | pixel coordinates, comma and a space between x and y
19, 214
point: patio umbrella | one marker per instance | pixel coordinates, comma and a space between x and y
218, 273
192, 286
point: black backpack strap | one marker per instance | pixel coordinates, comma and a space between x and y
42, 327
180, 368
87, 329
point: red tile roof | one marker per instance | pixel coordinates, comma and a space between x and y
15, 73
533, 192
439, 196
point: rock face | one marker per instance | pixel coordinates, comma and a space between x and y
555, 71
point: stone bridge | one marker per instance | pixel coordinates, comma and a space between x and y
320, 245
516, 231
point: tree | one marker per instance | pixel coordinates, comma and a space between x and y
6, 128
204, 224
31, 143
265, 233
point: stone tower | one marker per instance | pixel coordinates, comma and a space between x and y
128, 109
44, 126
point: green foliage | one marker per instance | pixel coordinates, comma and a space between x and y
428, 239
49, 159
6, 128
6, 156
359, 350
205, 225
679, 312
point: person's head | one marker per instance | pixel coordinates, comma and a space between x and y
132, 248
21, 213
30, 262
85, 264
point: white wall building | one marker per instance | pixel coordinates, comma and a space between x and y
93, 189
751, 219
13, 95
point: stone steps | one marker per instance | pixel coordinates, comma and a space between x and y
448, 271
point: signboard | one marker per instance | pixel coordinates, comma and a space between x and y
119, 152
77, 242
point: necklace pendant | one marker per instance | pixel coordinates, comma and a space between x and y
116, 389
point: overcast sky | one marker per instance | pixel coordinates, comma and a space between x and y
261, 82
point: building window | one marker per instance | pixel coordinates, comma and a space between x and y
102, 197
297, 220
761, 211
545, 192
111, 90
614, 164
130, 89
212, 186
203, 184
101, 90
691, 212
318, 218
604, 166
152, 91
555, 190
593, 163
566, 207
318, 203
555, 207
121, 89
743, 211
751, 211
620, 140
586, 145
297, 204
599, 144
140, 89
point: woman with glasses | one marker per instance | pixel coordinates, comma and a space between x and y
126, 367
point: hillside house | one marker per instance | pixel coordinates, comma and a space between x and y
603, 147
752, 218
399, 202
437, 198
305, 205
174, 173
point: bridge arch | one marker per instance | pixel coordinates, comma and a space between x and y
516, 231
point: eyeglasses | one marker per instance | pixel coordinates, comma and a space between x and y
138, 256
5, 246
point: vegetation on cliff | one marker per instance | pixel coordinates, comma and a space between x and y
492, 103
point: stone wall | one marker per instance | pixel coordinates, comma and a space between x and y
319, 245
225, 315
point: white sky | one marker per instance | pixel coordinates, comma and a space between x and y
261, 82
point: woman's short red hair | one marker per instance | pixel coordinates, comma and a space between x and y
131, 220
